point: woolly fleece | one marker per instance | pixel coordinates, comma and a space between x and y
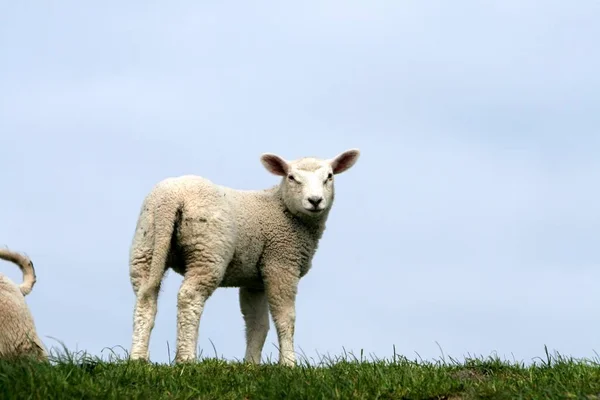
18, 336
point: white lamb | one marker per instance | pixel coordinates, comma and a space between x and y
18, 336
260, 241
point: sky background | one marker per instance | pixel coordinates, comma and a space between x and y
471, 219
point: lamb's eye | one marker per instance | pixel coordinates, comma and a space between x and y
330, 176
291, 178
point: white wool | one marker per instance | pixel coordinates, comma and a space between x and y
18, 336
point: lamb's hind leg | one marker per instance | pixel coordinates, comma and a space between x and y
145, 309
201, 279
255, 310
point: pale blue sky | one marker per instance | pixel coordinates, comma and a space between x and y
472, 217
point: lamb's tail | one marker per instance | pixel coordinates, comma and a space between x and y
165, 215
26, 267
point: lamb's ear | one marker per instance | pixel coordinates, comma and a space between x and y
344, 161
274, 164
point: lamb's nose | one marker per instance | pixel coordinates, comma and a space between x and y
315, 200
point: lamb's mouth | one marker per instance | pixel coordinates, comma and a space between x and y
314, 210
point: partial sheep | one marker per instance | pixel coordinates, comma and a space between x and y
18, 336
260, 241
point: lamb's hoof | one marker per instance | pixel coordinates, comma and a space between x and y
185, 359
287, 363
139, 358
248, 359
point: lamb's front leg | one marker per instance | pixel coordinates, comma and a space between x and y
281, 286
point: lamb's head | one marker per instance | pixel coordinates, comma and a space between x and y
307, 184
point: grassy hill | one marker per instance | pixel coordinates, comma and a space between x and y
83, 377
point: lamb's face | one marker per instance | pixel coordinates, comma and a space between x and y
307, 184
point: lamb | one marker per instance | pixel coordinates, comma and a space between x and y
18, 336
261, 242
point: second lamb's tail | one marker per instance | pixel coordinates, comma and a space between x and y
26, 267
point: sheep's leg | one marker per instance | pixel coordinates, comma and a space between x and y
199, 282
147, 266
146, 298
143, 321
281, 287
254, 306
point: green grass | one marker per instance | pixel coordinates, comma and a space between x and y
83, 377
